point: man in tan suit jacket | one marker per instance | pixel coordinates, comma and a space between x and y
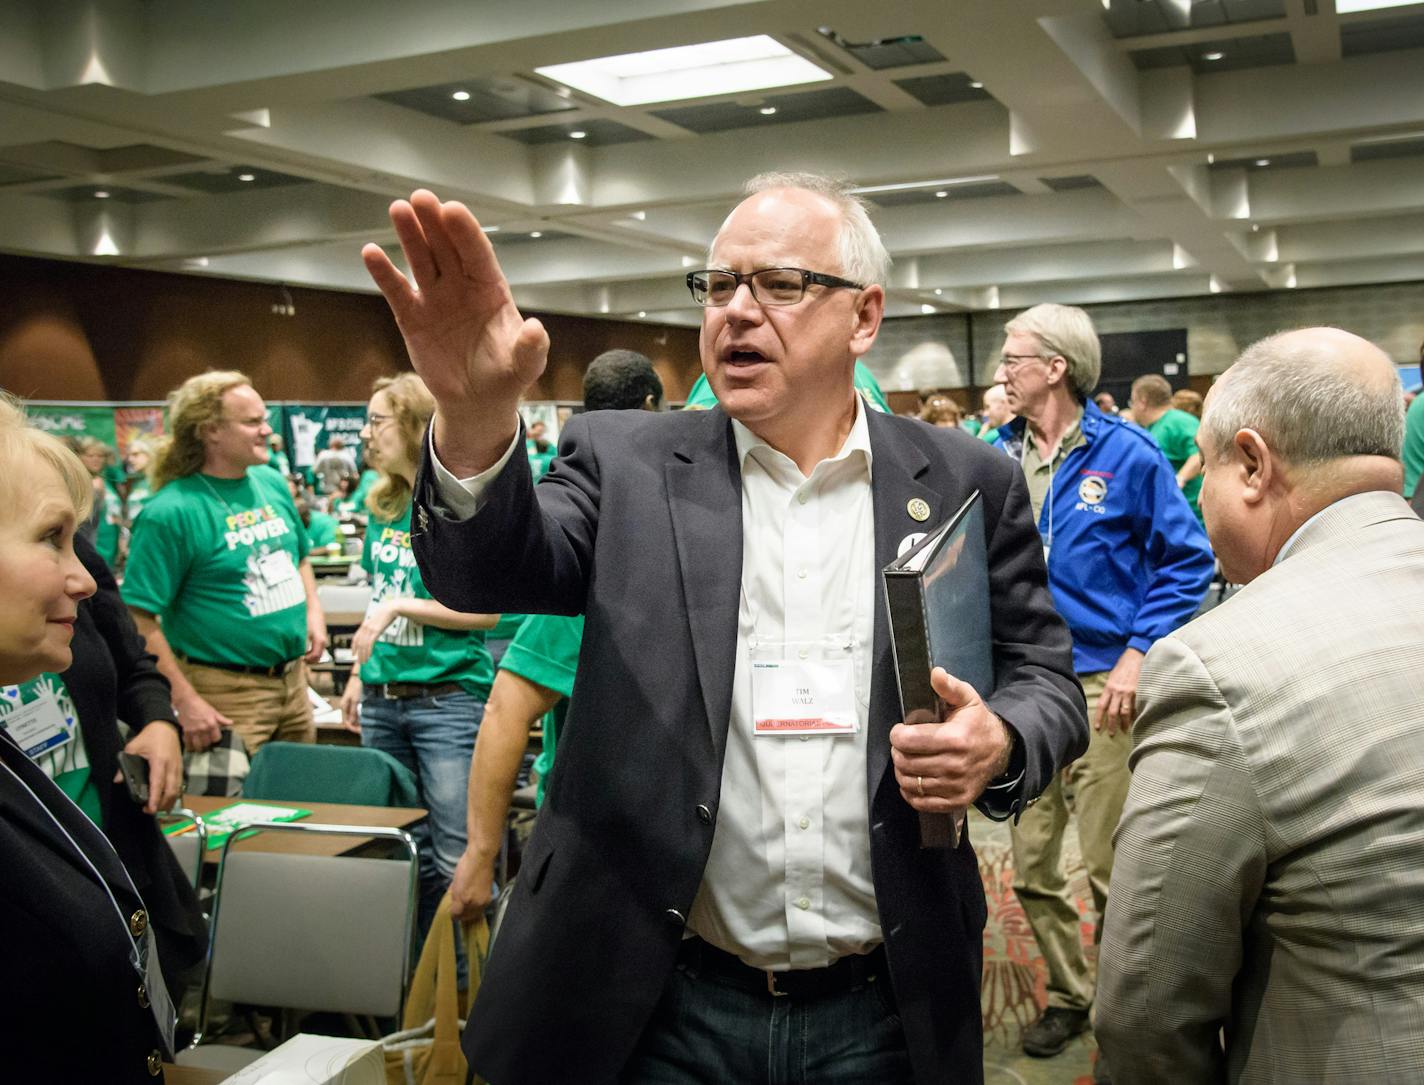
1266, 922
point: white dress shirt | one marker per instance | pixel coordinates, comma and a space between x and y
788, 881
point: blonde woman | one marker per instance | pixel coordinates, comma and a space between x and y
80, 946
425, 673
105, 526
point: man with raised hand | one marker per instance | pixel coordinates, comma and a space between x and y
704, 894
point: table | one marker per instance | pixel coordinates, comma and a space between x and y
322, 813
325, 567
192, 1075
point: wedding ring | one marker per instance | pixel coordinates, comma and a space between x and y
920, 780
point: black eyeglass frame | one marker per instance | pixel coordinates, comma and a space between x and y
808, 278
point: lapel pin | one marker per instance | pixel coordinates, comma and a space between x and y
918, 509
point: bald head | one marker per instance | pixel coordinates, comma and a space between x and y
1302, 420
1314, 395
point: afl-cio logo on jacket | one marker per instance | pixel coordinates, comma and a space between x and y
1092, 490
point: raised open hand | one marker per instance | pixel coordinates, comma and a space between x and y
465, 336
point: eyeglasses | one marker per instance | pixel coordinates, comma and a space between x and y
376, 421
769, 286
1012, 361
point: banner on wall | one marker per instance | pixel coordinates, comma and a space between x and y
309, 428
131, 423
74, 420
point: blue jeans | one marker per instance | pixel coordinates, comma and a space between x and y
705, 1032
434, 738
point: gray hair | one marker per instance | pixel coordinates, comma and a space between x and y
1068, 331
863, 256
1306, 407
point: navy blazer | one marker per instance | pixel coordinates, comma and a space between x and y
638, 526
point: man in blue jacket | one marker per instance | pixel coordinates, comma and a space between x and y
1127, 563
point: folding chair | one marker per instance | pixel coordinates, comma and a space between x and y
308, 932
188, 847
303, 771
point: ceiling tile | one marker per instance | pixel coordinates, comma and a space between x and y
117, 193
952, 192
1260, 51
943, 89
807, 106
229, 179
1294, 160
493, 98
1382, 35
1068, 184
596, 133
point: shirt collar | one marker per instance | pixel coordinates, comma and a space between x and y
858, 440
1285, 549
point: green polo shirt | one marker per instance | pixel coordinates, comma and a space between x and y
324, 531
1176, 433
409, 651
216, 559
545, 651
1413, 445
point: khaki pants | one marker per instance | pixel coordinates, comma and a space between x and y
261, 709
1099, 780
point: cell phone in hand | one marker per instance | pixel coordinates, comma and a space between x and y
135, 770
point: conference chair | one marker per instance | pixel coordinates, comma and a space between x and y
188, 847
305, 772
307, 932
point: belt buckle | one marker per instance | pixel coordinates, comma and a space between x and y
771, 986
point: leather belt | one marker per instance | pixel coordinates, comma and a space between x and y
277, 670
410, 691
855, 970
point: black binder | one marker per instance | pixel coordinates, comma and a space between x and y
938, 598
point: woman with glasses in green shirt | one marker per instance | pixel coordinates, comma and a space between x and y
424, 671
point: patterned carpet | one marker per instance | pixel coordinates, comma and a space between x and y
1014, 973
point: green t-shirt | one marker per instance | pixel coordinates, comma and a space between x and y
368, 479
323, 531
216, 559
545, 651
408, 651
972, 424
139, 496
1176, 433
701, 398
1413, 445
66, 762
506, 627
111, 524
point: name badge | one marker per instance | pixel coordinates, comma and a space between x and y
39, 726
276, 568
804, 689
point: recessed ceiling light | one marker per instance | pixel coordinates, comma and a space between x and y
976, 84
1214, 55
536, 233
490, 229
941, 194
578, 133
938, 291
926, 310
101, 194
1255, 227
905, 186
461, 96
1263, 161
767, 111
642, 312
247, 176
734, 66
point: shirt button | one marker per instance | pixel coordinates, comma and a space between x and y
142, 996
138, 923
805, 823
800, 574
155, 1063
674, 916
805, 738
803, 653
803, 903
704, 815
803, 497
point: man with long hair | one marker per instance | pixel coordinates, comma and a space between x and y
218, 578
